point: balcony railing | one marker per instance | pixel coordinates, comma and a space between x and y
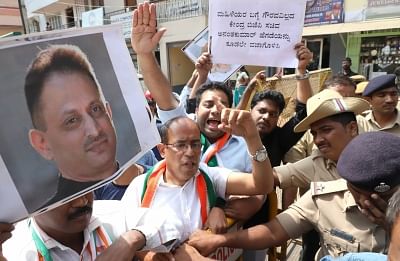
172, 10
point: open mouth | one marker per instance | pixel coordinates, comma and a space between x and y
213, 124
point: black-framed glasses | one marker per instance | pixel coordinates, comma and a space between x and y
184, 146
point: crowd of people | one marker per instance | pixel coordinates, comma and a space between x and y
216, 160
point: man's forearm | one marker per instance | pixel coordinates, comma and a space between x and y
125, 247
201, 79
257, 237
262, 171
156, 81
304, 90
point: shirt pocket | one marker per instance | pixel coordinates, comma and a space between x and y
339, 243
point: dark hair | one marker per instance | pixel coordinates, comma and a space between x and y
347, 59
243, 69
393, 211
343, 118
272, 95
55, 58
163, 128
219, 86
338, 79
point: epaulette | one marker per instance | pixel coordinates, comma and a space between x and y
327, 187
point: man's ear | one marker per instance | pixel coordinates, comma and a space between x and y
39, 143
108, 108
161, 148
353, 127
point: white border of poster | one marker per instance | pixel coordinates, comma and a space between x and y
25, 176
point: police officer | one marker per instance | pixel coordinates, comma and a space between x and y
383, 95
369, 169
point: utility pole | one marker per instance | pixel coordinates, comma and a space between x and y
22, 10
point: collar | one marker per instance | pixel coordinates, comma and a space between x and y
329, 164
51, 243
371, 118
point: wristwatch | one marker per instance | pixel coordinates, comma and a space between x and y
260, 155
304, 76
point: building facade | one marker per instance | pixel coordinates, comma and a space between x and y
10, 18
368, 31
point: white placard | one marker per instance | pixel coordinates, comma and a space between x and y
93, 17
194, 48
256, 32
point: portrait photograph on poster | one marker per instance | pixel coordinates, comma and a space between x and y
198, 45
73, 117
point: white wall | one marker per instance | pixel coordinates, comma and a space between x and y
179, 31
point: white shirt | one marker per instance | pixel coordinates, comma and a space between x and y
115, 220
182, 200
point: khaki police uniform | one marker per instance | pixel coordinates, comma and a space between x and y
330, 208
373, 125
302, 173
305, 145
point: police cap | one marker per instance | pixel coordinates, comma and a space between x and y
371, 161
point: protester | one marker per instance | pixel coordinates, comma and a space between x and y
71, 232
242, 80
218, 148
346, 67
176, 183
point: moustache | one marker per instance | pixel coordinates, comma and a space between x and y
90, 140
79, 212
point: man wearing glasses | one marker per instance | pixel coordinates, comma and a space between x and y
188, 187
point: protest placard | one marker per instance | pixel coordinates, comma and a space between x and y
91, 131
256, 32
198, 45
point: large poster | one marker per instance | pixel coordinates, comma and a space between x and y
324, 12
65, 133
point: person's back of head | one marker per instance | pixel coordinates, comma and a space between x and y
341, 84
393, 226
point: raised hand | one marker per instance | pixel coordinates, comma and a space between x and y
260, 76
375, 209
204, 64
304, 55
145, 36
238, 122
